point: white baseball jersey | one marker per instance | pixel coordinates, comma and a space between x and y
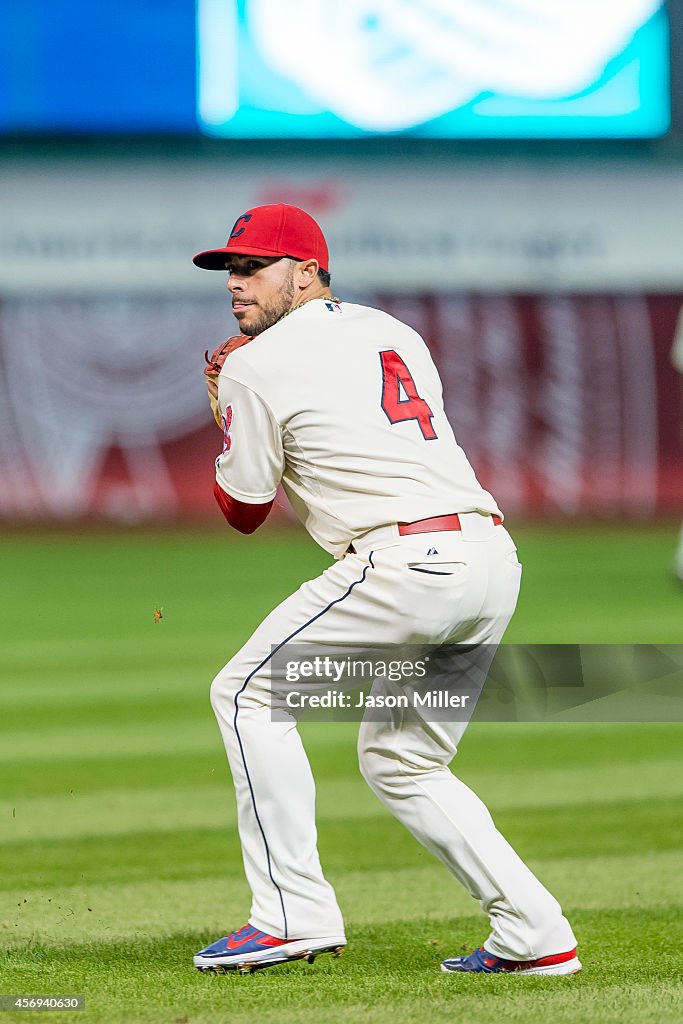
343, 405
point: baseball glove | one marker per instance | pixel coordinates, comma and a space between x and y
214, 366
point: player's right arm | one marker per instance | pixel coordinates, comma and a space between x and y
250, 467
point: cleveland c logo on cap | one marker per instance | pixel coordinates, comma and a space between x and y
235, 233
275, 231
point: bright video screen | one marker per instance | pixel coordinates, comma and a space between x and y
433, 68
448, 69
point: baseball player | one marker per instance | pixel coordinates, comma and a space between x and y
342, 404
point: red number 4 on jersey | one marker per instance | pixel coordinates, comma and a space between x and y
400, 399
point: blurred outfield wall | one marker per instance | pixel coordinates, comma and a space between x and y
548, 291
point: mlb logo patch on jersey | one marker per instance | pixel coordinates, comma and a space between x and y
333, 307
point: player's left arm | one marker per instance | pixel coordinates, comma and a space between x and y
249, 469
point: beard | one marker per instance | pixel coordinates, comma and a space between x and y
272, 311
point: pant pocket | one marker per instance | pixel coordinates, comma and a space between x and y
437, 568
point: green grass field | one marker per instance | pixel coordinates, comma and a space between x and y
119, 849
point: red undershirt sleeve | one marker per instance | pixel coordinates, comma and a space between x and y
243, 517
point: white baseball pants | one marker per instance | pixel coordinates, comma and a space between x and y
377, 597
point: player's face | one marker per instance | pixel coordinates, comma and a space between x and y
262, 290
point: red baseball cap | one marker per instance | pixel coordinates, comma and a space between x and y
278, 230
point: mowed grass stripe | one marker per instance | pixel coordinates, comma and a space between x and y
427, 893
134, 738
585, 830
22, 779
154, 709
109, 654
113, 812
331, 748
116, 811
43, 682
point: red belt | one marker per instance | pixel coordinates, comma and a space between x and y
437, 524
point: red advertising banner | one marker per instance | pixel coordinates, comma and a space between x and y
568, 406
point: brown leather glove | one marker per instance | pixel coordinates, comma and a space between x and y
214, 366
